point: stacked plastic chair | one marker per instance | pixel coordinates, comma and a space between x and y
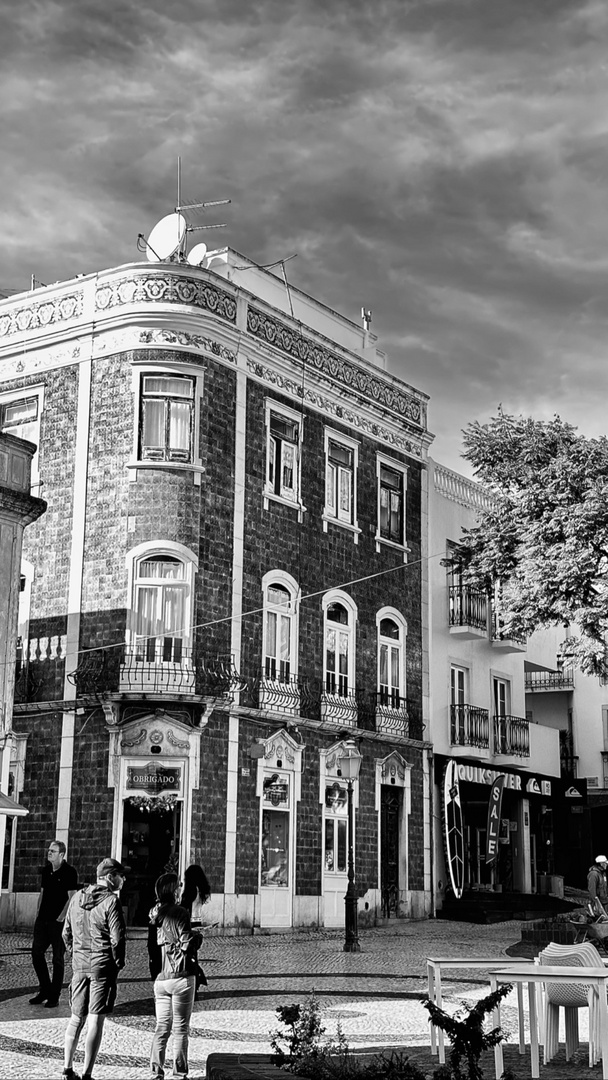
570, 999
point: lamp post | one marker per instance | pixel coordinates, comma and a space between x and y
349, 764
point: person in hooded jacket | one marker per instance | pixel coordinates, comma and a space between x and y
95, 933
597, 884
175, 984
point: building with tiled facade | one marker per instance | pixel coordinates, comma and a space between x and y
227, 586
18, 508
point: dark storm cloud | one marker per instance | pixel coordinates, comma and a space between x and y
440, 162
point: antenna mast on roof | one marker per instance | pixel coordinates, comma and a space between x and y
167, 241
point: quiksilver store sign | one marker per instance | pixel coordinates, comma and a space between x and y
476, 774
153, 778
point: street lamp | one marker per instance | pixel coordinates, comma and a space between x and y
349, 764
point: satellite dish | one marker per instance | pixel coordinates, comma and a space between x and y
196, 256
165, 238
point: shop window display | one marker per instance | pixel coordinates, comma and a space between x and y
274, 870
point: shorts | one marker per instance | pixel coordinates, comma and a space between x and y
92, 994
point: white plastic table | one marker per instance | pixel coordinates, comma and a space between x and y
434, 966
534, 974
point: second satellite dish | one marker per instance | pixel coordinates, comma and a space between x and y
196, 256
166, 237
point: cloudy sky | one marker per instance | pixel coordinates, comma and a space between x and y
442, 163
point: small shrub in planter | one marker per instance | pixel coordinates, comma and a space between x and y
307, 1056
301, 1051
466, 1034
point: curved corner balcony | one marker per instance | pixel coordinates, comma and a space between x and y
153, 666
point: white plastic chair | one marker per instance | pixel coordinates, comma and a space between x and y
571, 999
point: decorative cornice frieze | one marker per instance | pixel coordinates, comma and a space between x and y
165, 288
336, 367
42, 360
36, 316
334, 408
190, 341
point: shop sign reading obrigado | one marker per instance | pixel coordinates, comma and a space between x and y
153, 778
475, 774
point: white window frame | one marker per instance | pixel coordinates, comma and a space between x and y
497, 682
335, 818
17, 749
290, 416
457, 670
400, 643
286, 581
398, 467
134, 559
142, 368
328, 776
337, 596
335, 514
24, 393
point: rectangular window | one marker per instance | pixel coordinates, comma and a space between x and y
278, 649
500, 696
282, 467
274, 857
391, 504
336, 662
339, 482
20, 415
166, 418
336, 823
458, 706
390, 677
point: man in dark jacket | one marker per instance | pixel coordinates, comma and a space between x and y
95, 932
597, 884
58, 885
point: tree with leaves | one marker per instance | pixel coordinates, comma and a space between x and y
544, 538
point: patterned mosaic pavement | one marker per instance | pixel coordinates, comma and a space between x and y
375, 995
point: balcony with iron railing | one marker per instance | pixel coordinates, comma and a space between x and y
504, 639
568, 760
549, 681
511, 736
469, 726
165, 670
394, 715
468, 612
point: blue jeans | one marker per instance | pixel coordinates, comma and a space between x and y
173, 999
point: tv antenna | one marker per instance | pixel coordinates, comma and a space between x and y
168, 238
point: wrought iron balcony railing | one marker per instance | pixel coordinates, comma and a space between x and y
122, 670
568, 760
550, 680
469, 726
500, 633
468, 607
512, 736
394, 715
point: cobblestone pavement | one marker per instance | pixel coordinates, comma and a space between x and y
375, 995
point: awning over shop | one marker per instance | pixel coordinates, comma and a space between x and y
11, 808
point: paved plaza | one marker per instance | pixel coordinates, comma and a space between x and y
375, 995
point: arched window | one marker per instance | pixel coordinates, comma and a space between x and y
280, 626
339, 647
162, 583
391, 659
